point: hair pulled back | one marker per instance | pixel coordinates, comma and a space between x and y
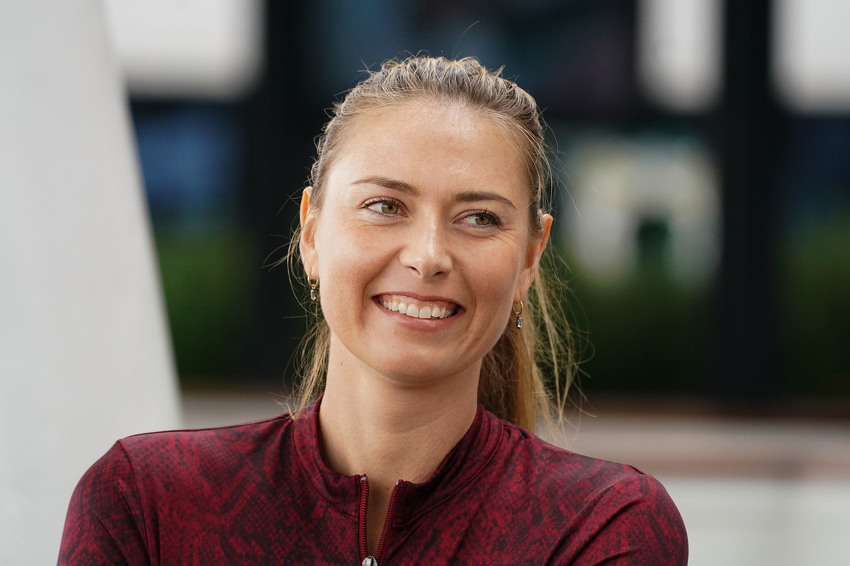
511, 384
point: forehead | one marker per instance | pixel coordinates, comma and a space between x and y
436, 136
457, 118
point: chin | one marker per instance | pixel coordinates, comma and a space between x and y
433, 376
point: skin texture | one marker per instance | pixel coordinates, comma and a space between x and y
426, 203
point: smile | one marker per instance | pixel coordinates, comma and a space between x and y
417, 309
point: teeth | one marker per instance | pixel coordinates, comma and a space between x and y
413, 310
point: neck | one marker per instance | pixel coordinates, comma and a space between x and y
387, 431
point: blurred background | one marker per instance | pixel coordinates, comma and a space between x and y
703, 200
703, 210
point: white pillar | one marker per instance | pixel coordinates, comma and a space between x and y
84, 349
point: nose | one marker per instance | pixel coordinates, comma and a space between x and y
426, 250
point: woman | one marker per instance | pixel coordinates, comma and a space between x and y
421, 238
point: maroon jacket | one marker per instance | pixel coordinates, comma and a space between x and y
260, 493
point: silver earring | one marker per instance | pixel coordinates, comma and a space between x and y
518, 313
314, 288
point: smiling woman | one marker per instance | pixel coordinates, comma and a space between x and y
421, 238
418, 223
483, 134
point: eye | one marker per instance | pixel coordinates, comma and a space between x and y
389, 208
482, 219
383, 207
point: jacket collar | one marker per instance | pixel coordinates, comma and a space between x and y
461, 466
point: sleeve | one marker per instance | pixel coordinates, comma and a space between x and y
105, 524
634, 522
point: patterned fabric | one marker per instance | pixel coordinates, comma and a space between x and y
260, 493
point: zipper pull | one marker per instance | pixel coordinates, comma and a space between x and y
369, 561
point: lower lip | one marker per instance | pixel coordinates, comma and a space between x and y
418, 323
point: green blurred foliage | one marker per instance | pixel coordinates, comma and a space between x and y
650, 335
646, 332
816, 314
209, 277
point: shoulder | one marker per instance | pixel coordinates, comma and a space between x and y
185, 461
606, 508
554, 468
168, 455
143, 467
203, 445
150, 479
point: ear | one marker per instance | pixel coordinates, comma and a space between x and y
307, 242
532, 259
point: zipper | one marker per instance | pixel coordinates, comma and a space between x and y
364, 502
370, 560
388, 521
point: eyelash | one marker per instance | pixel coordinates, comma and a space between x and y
383, 201
493, 218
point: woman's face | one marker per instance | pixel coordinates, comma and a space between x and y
422, 243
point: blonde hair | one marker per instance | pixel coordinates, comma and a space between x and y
511, 384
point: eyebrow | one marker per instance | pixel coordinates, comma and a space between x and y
401, 186
472, 196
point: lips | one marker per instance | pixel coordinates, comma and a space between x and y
415, 308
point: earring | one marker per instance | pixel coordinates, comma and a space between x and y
314, 288
518, 313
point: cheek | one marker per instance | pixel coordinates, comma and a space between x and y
496, 276
493, 309
348, 260
498, 267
